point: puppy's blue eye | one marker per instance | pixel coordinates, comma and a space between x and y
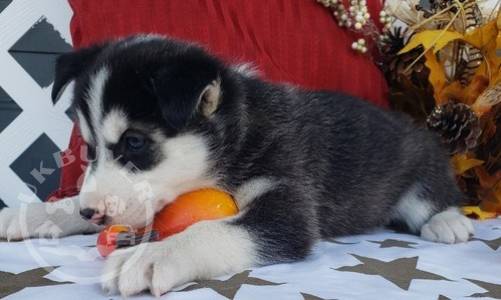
135, 142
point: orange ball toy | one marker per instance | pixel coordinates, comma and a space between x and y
187, 209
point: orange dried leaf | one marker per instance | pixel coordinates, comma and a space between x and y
467, 95
489, 127
483, 35
486, 180
476, 212
492, 200
453, 91
493, 60
437, 77
431, 39
462, 163
488, 39
477, 86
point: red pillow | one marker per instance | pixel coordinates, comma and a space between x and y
293, 41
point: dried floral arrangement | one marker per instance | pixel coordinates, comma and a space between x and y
442, 61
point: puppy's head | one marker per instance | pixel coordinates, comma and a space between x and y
147, 108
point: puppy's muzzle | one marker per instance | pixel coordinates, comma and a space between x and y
92, 216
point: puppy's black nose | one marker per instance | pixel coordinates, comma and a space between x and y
87, 213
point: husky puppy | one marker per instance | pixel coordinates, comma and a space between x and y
163, 117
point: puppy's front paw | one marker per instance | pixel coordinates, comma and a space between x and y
19, 223
148, 266
9, 227
449, 226
43, 220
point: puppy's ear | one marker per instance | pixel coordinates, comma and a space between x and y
210, 98
71, 65
186, 88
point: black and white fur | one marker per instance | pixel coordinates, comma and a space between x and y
165, 117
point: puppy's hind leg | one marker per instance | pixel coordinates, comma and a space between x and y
434, 213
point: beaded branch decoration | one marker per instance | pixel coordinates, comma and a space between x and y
356, 17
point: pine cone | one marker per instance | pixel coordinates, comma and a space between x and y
398, 68
395, 66
457, 124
